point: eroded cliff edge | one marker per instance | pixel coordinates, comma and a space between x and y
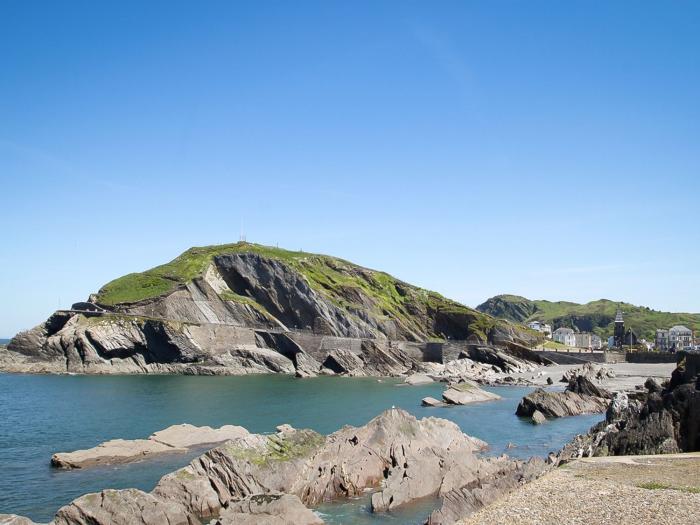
245, 308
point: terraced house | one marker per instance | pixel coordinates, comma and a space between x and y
675, 339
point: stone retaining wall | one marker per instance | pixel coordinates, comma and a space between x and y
650, 357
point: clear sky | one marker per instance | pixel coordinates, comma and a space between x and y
548, 149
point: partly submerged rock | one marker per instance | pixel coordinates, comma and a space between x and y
538, 417
111, 452
418, 379
432, 402
559, 404
176, 438
467, 392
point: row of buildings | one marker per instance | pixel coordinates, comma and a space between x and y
567, 336
675, 339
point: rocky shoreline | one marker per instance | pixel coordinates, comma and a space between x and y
174, 439
262, 478
601, 479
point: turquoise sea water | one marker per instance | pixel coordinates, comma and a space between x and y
40, 415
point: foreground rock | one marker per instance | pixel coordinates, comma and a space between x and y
505, 477
663, 419
174, 439
245, 480
268, 509
466, 393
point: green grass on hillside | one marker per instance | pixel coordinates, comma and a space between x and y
343, 283
595, 316
167, 277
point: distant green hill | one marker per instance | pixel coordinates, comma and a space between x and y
597, 316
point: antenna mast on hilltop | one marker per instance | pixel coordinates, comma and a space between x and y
241, 236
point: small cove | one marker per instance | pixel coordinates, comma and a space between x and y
40, 415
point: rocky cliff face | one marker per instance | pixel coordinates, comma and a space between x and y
663, 419
230, 309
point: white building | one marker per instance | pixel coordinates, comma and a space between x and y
565, 336
680, 338
541, 327
590, 341
676, 339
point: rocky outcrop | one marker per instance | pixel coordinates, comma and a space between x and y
270, 478
590, 371
217, 310
559, 404
662, 419
504, 476
585, 387
174, 439
466, 393
581, 396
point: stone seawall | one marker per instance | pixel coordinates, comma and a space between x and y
650, 357
572, 358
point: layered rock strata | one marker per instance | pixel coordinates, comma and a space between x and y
268, 477
174, 439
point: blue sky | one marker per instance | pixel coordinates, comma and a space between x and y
549, 149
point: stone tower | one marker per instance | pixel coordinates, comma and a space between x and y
619, 334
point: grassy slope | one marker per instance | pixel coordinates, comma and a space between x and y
335, 278
643, 320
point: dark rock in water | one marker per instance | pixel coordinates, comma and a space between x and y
550, 381
581, 396
559, 404
665, 420
584, 386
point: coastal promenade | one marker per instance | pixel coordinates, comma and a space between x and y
618, 490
